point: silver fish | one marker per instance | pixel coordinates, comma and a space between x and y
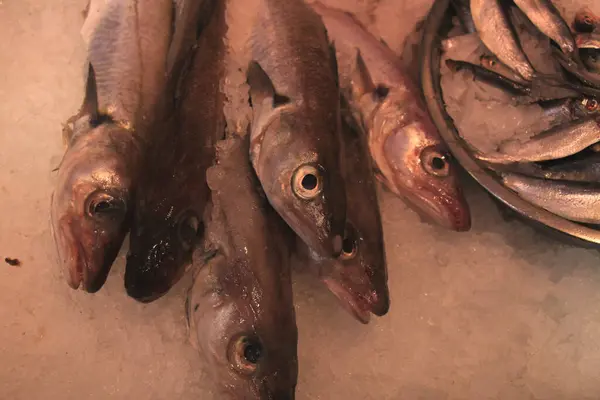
240, 308
295, 146
558, 142
573, 201
496, 32
547, 19
409, 155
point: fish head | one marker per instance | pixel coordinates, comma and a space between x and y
305, 187
249, 342
161, 245
419, 164
91, 202
358, 277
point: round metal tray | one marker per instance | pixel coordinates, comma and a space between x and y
437, 26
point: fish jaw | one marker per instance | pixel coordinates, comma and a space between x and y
357, 307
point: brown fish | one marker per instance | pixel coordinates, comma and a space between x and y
358, 277
295, 135
240, 308
91, 203
172, 194
409, 154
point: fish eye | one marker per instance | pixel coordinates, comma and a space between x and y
245, 353
435, 162
102, 205
349, 244
188, 228
591, 105
307, 182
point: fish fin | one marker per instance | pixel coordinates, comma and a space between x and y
261, 87
361, 80
334, 63
88, 109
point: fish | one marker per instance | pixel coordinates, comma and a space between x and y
588, 41
295, 147
492, 63
491, 77
495, 31
463, 12
358, 276
544, 15
240, 308
571, 200
408, 153
578, 168
591, 59
172, 193
586, 21
91, 202
589, 79
558, 142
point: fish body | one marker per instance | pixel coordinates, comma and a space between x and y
573, 201
496, 32
409, 155
172, 194
295, 146
544, 15
92, 200
358, 277
557, 142
463, 12
579, 169
493, 64
240, 308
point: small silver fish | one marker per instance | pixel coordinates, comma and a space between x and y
573, 201
558, 142
496, 32
544, 15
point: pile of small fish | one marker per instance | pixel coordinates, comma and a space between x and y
151, 153
557, 169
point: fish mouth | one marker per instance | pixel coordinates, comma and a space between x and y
451, 212
69, 254
359, 308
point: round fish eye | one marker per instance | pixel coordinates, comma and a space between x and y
435, 162
104, 205
307, 182
188, 228
245, 353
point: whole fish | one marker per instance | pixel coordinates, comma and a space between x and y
558, 142
544, 15
496, 32
408, 153
295, 146
576, 169
172, 194
358, 277
240, 308
586, 21
91, 203
570, 200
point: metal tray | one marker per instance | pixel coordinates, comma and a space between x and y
437, 26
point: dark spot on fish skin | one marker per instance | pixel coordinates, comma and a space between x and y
12, 261
280, 100
196, 307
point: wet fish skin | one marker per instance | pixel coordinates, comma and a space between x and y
240, 307
295, 146
591, 59
578, 71
493, 64
409, 155
495, 31
580, 169
558, 142
168, 219
91, 202
358, 277
573, 201
463, 12
544, 15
